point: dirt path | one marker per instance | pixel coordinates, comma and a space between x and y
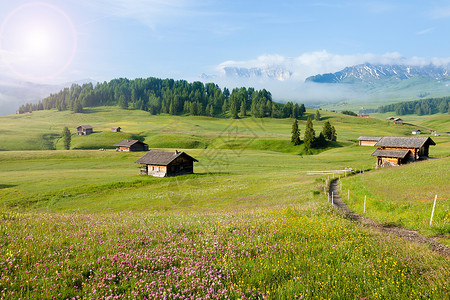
397, 231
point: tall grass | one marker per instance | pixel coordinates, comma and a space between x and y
404, 196
283, 253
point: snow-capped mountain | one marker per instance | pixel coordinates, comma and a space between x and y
270, 72
370, 73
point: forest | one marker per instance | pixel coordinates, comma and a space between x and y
174, 97
427, 106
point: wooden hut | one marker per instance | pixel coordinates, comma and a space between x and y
394, 151
368, 140
398, 121
131, 145
85, 130
166, 163
115, 129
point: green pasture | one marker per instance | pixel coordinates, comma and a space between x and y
41, 130
250, 223
403, 196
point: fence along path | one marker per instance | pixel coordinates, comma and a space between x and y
396, 231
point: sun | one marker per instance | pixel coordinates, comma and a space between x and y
37, 41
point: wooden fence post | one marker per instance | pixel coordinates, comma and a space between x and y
364, 203
432, 212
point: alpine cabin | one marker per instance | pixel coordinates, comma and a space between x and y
131, 145
395, 151
368, 140
85, 130
166, 163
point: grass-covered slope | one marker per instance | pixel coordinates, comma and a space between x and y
41, 130
404, 196
250, 223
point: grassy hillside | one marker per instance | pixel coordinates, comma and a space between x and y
41, 130
404, 196
250, 223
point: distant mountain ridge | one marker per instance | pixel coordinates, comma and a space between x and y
271, 72
366, 73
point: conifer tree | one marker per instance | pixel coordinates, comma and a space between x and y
309, 134
327, 131
243, 110
66, 138
333, 134
295, 138
317, 116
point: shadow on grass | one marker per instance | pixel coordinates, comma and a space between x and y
5, 186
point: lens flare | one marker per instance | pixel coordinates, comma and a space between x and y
38, 41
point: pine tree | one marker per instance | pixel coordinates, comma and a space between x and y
333, 134
301, 110
243, 111
295, 138
327, 130
317, 116
66, 138
309, 134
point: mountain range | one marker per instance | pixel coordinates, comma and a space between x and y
373, 73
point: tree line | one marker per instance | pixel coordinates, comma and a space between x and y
174, 97
427, 106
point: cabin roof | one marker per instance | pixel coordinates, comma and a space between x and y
162, 158
390, 153
128, 143
85, 126
115, 127
404, 141
369, 138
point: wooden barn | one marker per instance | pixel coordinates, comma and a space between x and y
85, 130
166, 163
394, 151
398, 121
115, 129
368, 140
131, 145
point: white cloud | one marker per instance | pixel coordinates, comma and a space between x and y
425, 31
319, 62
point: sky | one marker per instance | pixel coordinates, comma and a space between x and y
58, 41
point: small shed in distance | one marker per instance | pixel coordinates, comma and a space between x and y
85, 130
368, 140
166, 163
398, 121
415, 132
131, 145
115, 129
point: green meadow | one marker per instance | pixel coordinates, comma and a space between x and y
249, 224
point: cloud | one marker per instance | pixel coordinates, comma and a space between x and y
425, 31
